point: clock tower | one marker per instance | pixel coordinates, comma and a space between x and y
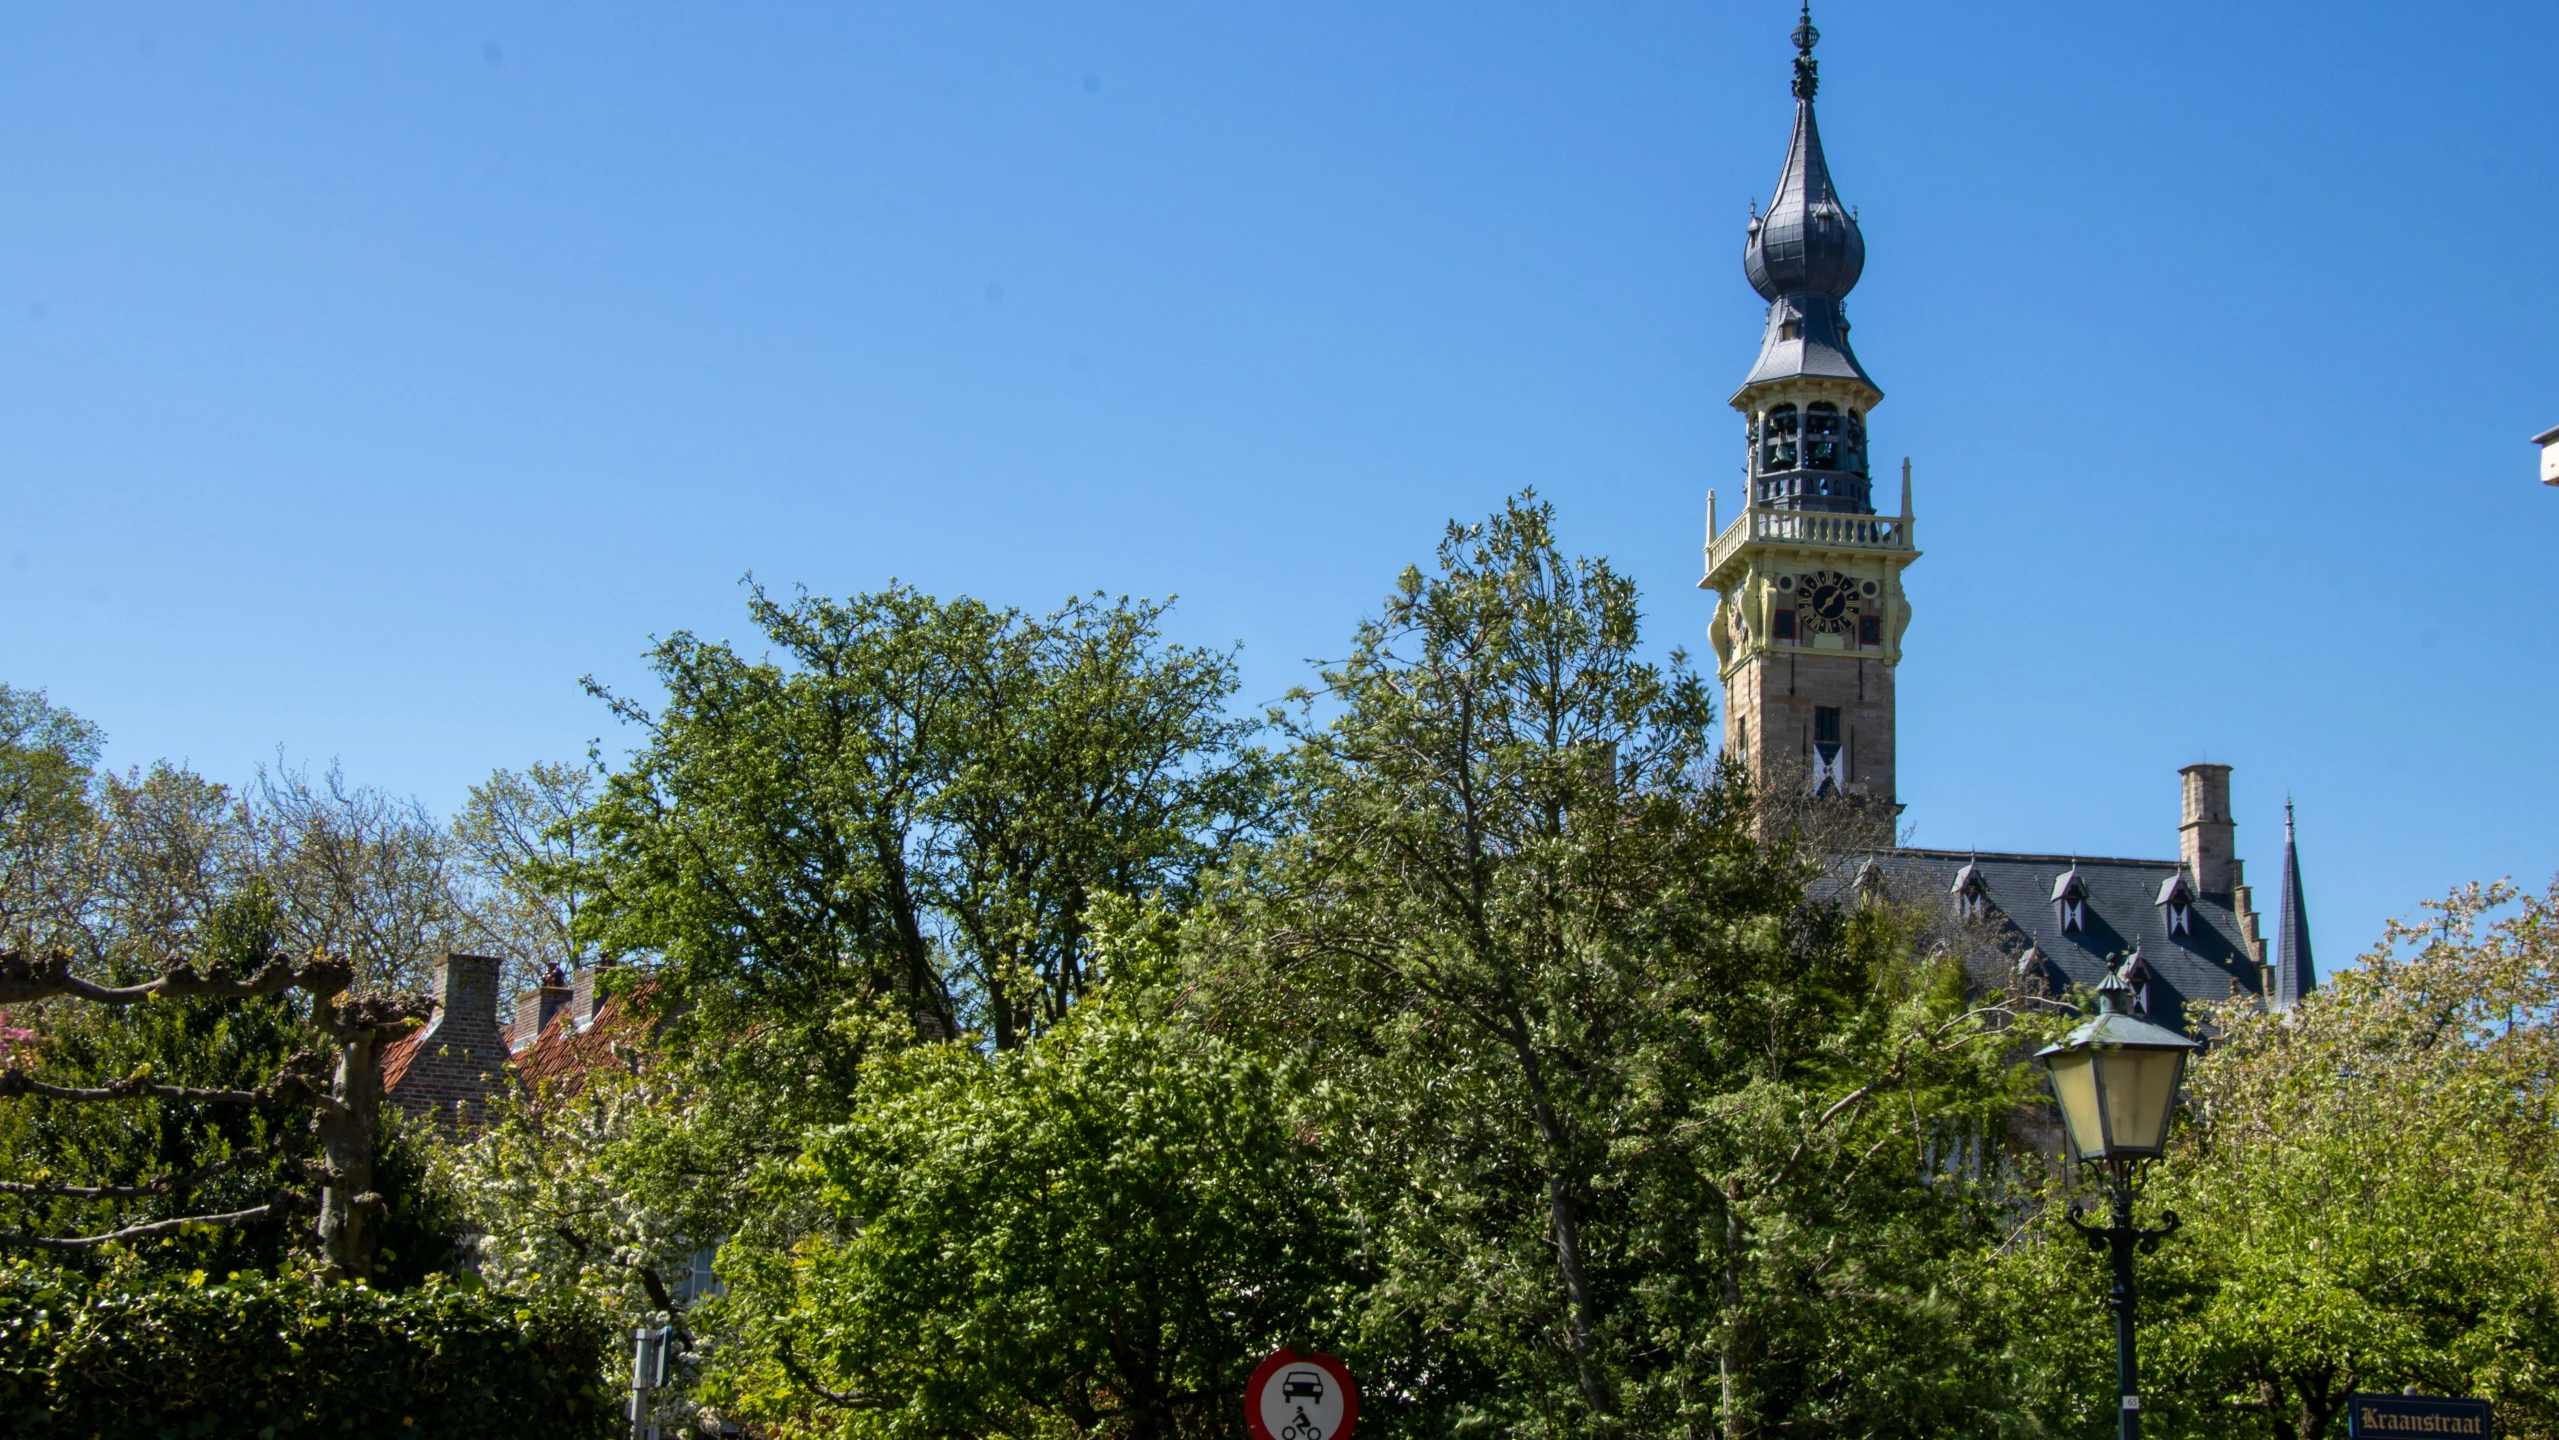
1809, 622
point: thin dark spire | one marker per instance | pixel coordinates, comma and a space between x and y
2295, 973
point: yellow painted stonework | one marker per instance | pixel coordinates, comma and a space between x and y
1761, 566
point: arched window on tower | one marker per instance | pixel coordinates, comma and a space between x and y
1821, 436
1777, 440
1853, 448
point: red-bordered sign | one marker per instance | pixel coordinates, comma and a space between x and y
1301, 1397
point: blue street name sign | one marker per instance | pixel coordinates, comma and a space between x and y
2372, 1417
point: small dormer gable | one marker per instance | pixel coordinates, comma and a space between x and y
2070, 896
2136, 972
1971, 892
2177, 899
2036, 973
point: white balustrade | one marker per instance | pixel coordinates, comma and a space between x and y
1811, 527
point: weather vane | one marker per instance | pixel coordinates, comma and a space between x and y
1807, 69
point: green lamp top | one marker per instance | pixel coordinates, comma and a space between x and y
2115, 1024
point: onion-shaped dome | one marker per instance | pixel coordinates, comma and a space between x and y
1808, 241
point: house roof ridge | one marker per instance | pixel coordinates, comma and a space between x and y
2064, 861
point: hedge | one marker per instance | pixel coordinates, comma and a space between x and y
270, 1358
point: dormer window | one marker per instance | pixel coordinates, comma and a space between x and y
2136, 973
2036, 974
2178, 899
2070, 893
1972, 893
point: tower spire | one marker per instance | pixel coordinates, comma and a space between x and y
2295, 974
1805, 253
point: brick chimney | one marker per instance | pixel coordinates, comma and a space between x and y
458, 1062
535, 1008
2206, 838
466, 1002
586, 993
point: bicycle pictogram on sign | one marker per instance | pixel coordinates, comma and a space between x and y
1301, 1397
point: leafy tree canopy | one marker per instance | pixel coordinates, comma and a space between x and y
913, 806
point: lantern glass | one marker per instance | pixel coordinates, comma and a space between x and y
2139, 1087
2075, 1085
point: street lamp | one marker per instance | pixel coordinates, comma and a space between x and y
2116, 1078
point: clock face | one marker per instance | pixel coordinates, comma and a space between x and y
1826, 596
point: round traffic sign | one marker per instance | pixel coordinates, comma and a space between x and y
1301, 1397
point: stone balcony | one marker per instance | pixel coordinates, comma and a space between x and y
1814, 529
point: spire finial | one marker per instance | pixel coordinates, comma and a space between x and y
1807, 69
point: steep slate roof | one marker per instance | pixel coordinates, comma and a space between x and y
2124, 908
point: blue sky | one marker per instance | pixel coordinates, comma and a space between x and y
369, 374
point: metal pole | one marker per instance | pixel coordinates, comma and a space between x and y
646, 1371
2120, 1237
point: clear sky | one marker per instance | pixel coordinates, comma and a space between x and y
370, 373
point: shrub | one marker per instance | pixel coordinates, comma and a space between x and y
258, 1356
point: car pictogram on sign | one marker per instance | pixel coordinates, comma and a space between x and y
1301, 1397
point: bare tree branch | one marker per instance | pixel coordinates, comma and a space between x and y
137, 1232
24, 978
165, 1185
800, 1376
19, 1082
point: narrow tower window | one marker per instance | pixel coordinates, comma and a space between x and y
1830, 757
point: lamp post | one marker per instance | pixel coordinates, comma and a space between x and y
2116, 1078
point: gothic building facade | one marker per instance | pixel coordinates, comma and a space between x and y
1808, 632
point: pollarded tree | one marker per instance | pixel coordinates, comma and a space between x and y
339, 1086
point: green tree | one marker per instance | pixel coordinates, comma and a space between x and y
2369, 1185
519, 866
913, 808
1637, 1131
46, 755
171, 1065
1099, 1232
